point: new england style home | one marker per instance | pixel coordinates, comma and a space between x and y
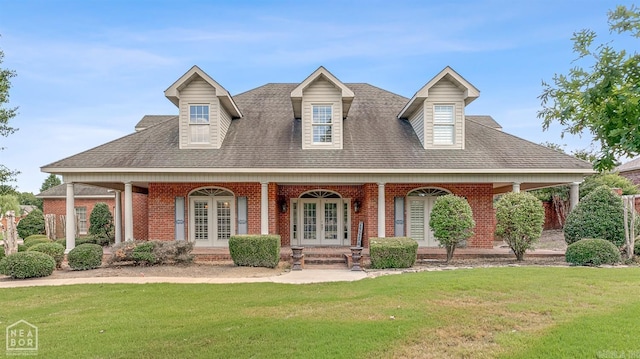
317, 162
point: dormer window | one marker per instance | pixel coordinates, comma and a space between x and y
199, 124
443, 125
322, 123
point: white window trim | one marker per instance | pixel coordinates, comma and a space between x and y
201, 125
331, 124
451, 125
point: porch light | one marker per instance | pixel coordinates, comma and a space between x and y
283, 206
356, 206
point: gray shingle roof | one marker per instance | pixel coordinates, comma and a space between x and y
484, 120
268, 136
152, 120
80, 190
632, 165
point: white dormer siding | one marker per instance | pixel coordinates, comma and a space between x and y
443, 95
199, 93
322, 95
417, 122
206, 109
436, 111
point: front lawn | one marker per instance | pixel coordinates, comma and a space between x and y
522, 312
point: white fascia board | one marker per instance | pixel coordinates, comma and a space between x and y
322, 170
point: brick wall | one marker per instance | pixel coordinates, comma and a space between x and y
58, 206
479, 196
550, 216
286, 192
161, 203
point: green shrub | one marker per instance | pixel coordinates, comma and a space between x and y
85, 256
611, 180
34, 236
598, 215
33, 223
62, 242
3, 266
22, 248
33, 241
592, 252
101, 224
255, 250
519, 221
393, 252
152, 252
636, 247
84, 240
53, 249
451, 221
143, 253
23, 265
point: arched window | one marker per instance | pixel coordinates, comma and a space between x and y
429, 191
320, 194
212, 192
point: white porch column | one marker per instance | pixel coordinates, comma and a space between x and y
574, 193
516, 187
264, 208
70, 225
118, 217
128, 211
381, 211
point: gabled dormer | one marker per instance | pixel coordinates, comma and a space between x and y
436, 111
321, 102
205, 109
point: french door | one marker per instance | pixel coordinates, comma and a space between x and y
212, 221
322, 221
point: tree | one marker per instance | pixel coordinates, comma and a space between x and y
451, 221
101, 223
50, 182
9, 203
520, 217
611, 180
29, 199
604, 98
6, 114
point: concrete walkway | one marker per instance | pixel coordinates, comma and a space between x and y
292, 277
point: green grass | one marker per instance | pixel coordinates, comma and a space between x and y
526, 312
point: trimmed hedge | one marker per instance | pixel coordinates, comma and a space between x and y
592, 252
393, 252
600, 214
255, 250
23, 265
636, 247
33, 236
53, 249
85, 256
33, 223
33, 241
152, 252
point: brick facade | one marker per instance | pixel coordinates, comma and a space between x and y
58, 206
161, 213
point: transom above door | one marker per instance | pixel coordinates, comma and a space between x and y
420, 202
212, 215
320, 218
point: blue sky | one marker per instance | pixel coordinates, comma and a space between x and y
89, 70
